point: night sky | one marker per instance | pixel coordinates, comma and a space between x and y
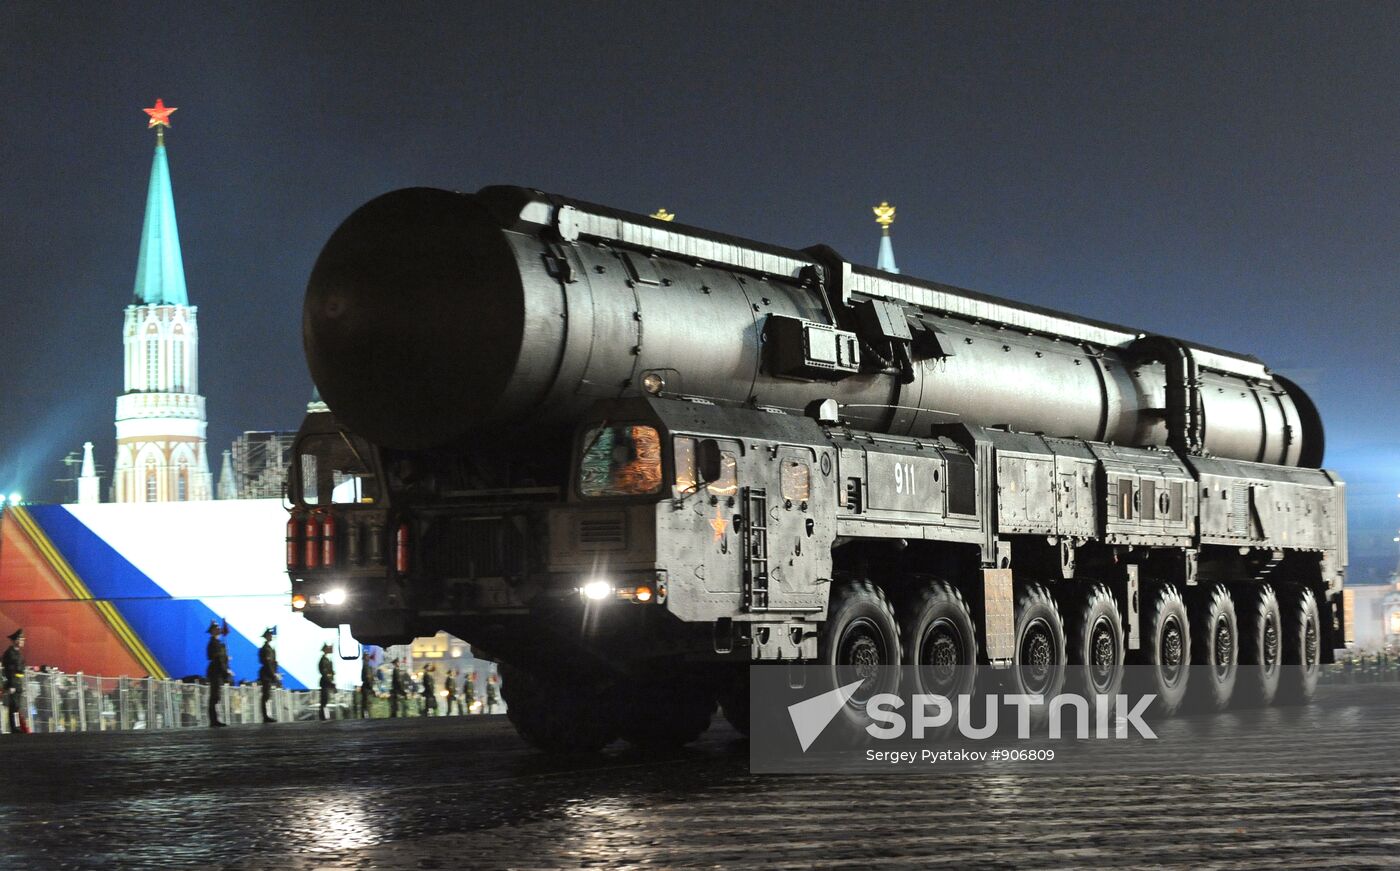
1227, 173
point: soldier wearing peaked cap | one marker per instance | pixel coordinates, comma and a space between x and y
492, 694
327, 669
267, 672
218, 673
398, 690
429, 691
468, 691
12, 668
449, 683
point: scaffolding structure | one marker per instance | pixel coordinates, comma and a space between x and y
260, 460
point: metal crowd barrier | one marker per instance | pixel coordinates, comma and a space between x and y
58, 702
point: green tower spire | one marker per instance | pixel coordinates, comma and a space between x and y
160, 270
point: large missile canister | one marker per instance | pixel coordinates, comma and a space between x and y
432, 316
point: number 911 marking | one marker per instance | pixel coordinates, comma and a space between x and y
904, 479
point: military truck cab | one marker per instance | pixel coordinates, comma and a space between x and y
721, 516
344, 552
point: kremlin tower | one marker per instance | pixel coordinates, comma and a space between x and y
161, 450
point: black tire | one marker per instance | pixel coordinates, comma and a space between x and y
860, 639
1096, 644
1261, 643
556, 718
1302, 648
1215, 649
1039, 667
940, 641
663, 715
1165, 655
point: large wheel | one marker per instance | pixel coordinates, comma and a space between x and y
1302, 648
1095, 636
1215, 648
1165, 654
556, 718
1039, 665
940, 643
860, 640
1261, 646
663, 714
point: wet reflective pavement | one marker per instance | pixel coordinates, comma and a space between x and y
466, 793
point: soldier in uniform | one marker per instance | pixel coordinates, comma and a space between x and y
327, 669
449, 683
398, 690
12, 667
218, 673
429, 691
366, 684
267, 672
491, 696
468, 691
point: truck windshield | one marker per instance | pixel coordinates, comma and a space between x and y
334, 469
620, 460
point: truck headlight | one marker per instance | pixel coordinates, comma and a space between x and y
597, 590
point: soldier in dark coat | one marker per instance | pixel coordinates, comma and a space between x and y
398, 690
218, 673
468, 691
12, 669
449, 683
491, 694
429, 691
267, 672
327, 669
366, 684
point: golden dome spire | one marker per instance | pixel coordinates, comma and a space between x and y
884, 215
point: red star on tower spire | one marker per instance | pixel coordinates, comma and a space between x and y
160, 115
160, 119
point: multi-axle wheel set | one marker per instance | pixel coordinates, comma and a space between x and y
1202, 648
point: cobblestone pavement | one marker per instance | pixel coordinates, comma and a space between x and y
466, 793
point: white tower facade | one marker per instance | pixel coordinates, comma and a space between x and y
162, 453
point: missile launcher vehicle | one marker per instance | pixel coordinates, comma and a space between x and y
629, 458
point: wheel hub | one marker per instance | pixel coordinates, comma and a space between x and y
1224, 644
862, 650
1037, 656
941, 654
1172, 648
865, 656
944, 652
1103, 655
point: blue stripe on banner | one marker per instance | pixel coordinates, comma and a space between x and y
174, 630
